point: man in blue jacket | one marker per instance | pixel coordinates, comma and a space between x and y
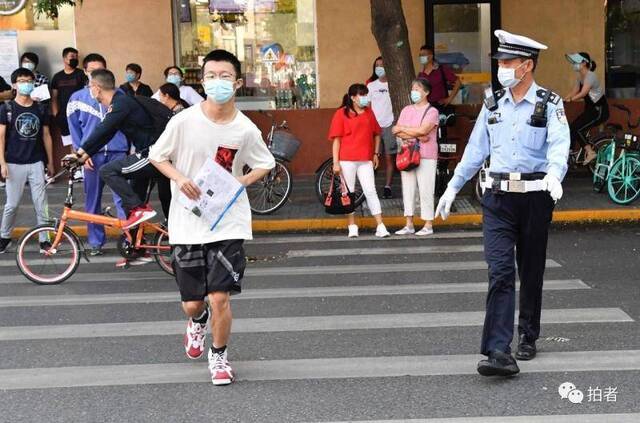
84, 113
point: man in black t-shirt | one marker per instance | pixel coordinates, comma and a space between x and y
25, 147
63, 84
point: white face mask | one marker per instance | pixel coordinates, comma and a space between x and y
507, 76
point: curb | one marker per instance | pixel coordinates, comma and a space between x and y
306, 225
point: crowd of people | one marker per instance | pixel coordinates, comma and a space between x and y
124, 139
85, 114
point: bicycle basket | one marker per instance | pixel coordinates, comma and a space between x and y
284, 145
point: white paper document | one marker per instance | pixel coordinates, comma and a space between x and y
41, 93
219, 191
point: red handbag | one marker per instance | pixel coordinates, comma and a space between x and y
409, 156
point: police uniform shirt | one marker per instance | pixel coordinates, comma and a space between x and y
513, 144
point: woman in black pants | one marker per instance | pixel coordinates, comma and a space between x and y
596, 109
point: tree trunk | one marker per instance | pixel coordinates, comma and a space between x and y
390, 31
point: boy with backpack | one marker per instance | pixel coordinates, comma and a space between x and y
25, 147
84, 113
141, 120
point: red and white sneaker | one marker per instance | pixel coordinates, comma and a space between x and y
194, 339
221, 371
139, 215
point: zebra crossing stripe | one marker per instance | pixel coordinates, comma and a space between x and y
274, 293
304, 323
324, 368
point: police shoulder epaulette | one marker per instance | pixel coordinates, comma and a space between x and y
553, 98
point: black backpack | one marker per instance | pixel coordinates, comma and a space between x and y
8, 110
157, 112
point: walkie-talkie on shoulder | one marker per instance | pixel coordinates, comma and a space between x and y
539, 117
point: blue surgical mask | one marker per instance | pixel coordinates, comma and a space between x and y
380, 71
174, 79
363, 101
131, 77
25, 88
29, 65
219, 91
416, 96
424, 60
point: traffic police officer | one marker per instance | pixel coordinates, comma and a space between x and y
524, 130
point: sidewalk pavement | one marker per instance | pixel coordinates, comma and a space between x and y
303, 212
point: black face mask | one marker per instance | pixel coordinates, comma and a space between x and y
73, 63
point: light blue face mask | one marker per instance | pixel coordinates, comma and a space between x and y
25, 88
363, 101
416, 96
131, 77
424, 60
174, 79
218, 90
380, 71
576, 67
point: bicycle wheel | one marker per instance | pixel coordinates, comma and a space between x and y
269, 194
163, 256
323, 183
624, 180
48, 267
601, 166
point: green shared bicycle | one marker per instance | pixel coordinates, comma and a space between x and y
623, 180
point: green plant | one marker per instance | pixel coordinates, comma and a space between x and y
50, 7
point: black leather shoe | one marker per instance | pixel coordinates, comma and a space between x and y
498, 364
526, 349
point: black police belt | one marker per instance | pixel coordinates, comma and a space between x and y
514, 182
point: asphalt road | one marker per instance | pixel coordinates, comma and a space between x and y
328, 330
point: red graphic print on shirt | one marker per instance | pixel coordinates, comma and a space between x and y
225, 156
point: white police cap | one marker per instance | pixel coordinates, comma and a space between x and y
512, 46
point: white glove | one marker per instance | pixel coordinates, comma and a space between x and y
553, 185
445, 203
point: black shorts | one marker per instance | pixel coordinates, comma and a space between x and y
201, 269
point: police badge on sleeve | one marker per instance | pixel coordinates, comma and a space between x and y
562, 118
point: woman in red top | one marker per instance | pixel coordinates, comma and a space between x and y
355, 134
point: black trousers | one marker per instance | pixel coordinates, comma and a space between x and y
130, 178
593, 115
515, 227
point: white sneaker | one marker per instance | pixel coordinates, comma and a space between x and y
406, 231
381, 231
221, 371
353, 231
425, 231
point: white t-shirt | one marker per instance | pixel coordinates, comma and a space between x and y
191, 137
381, 102
187, 93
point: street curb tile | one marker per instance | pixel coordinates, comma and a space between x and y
329, 223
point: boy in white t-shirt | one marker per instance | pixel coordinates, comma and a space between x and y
210, 263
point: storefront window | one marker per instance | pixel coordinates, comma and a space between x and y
274, 40
462, 36
623, 48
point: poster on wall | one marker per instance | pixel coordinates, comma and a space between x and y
11, 7
8, 53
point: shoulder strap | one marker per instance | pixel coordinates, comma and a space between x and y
8, 110
425, 113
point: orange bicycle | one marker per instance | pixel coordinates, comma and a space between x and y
50, 253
